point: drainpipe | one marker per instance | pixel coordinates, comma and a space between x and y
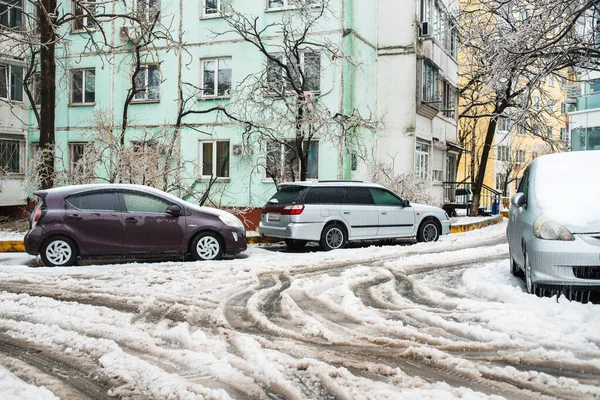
340, 163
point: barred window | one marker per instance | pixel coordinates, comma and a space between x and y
11, 155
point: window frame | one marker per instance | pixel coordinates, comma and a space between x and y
502, 153
282, 159
8, 76
214, 159
10, 14
215, 88
87, 23
20, 153
422, 159
144, 9
72, 161
283, 78
222, 8
287, 6
83, 86
430, 84
146, 90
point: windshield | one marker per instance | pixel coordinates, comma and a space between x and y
568, 191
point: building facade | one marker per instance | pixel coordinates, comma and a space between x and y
397, 64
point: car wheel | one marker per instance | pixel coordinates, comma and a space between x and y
207, 246
514, 269
295, 244
333, 237
59, 251
429, 231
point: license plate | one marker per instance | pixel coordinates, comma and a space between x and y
273, 217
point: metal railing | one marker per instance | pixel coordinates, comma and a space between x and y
459, 195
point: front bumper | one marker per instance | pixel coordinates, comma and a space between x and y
565, 263
235, 240
445, 226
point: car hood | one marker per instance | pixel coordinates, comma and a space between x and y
426, 209
576, 220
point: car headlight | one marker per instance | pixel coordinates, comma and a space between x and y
545, 228
231, 220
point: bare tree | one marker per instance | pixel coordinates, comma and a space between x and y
282, 106
45, 29
509, 48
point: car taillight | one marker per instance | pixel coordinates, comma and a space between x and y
37, 215
296, 209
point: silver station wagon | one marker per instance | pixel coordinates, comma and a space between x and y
335, 212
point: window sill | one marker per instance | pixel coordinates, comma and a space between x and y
290, 8
213, 98
11, 101
82, 104
206, 179
81, 31
211, 16
145, 101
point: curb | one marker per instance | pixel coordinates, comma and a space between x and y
476, 225
10, 246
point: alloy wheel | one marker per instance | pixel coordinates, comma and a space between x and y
208, 247
335, 238
59, 252
430, 233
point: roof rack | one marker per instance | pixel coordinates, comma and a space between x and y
340, 180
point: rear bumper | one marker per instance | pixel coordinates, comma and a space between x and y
33, 241
306, 231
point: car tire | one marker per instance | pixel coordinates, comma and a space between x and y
295, 244
59, 251
429, 231
333, 237
514, 269
207, 246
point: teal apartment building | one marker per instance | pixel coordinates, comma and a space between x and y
395, 63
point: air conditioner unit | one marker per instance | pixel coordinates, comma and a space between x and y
424, 30
129, 33
240, 150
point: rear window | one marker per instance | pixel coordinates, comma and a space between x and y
289, 194
325, 195
100, 201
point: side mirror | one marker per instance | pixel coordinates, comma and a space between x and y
519, 200
173, 210
405, 203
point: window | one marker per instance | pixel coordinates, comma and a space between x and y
310, 66
76, 152
147, 84
502, 153
325, 195
422, 159
101, 201
214, 159
148, 10
500, 178
283, 163
11, 155
551, 80
430, 83
290, 3
505, 124
11, 82
11, 13
551, 104
520, 156
84, 12
564, 136
534, 155
384, 198
216, 77
212, 8
143, 203
549, 132
449, 100
536, 102
83, 86
437, 175
358, 195
521, 130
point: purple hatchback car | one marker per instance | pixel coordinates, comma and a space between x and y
120, 221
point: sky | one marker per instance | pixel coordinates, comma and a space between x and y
271, 322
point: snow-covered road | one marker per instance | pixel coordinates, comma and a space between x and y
441, 320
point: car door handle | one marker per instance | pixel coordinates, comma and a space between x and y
345, 212
74, 216
131, 220
384, 213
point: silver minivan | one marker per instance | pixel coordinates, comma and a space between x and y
554, 224
335, 212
